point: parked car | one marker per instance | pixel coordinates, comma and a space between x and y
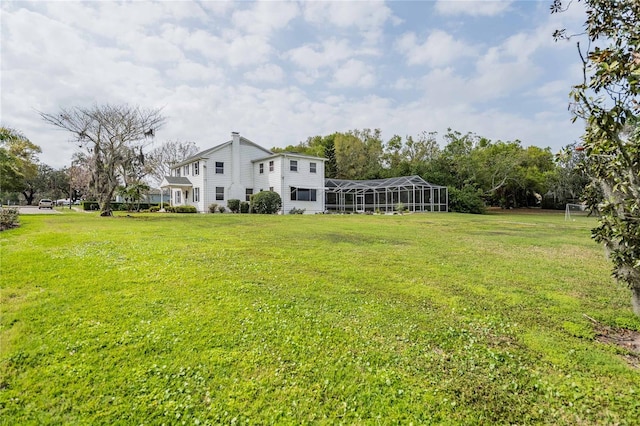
45, 203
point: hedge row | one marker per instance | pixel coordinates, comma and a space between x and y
93, 205
181, 209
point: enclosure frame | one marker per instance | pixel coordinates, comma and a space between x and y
383, 195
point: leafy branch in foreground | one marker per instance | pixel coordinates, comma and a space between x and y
608, 101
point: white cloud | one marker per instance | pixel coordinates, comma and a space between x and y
248, 50
472, 7
269, 73
188, 71
354, 73
213, 73
368, 18
439, 49
326, 54
265, 17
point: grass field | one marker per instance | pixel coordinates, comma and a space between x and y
207, 319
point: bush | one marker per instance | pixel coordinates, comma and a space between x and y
9, 218
181, 209
222, 209
186, 209
154, 209
90, 205
296, 211
213, 208
466, 200
244, 207
401, 208
266, 202
233, 205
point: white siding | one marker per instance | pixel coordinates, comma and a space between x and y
281, 179
303, 178
213, 179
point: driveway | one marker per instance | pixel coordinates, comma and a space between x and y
35, 210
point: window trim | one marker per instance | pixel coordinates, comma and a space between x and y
261, 168
313, 167
219, 167
219, 193
294, 194
293, 165
271, 165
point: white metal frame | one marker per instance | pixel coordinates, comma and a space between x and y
383, 195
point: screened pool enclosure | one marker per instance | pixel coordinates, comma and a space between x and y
383, 195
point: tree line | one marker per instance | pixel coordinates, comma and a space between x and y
478, 171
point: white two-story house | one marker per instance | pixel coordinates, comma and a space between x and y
239, 168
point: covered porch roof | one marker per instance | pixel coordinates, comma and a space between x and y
175, 182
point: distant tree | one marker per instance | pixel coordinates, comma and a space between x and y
567, 182
413, 156
608, 99
454, 165
358, 154
113, 136
18, 161
160, 159
58, 183
39, 183
133, 193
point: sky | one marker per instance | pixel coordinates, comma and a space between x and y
279, 72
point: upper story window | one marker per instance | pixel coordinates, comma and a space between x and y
185, 170
271, 165
176, 172
293, 165
312, 167
219, 167
196, 168
261, 166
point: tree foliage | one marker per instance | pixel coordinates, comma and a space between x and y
490, 172
18, 161
114, 137
608, 100
567, 181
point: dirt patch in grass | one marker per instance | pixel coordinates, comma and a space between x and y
624, 338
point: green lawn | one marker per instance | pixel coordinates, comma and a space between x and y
206, 319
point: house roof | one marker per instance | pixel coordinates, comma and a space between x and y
175, 181
289, 154
395, 182
203, 155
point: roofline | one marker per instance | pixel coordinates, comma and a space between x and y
289, 154
204, 155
